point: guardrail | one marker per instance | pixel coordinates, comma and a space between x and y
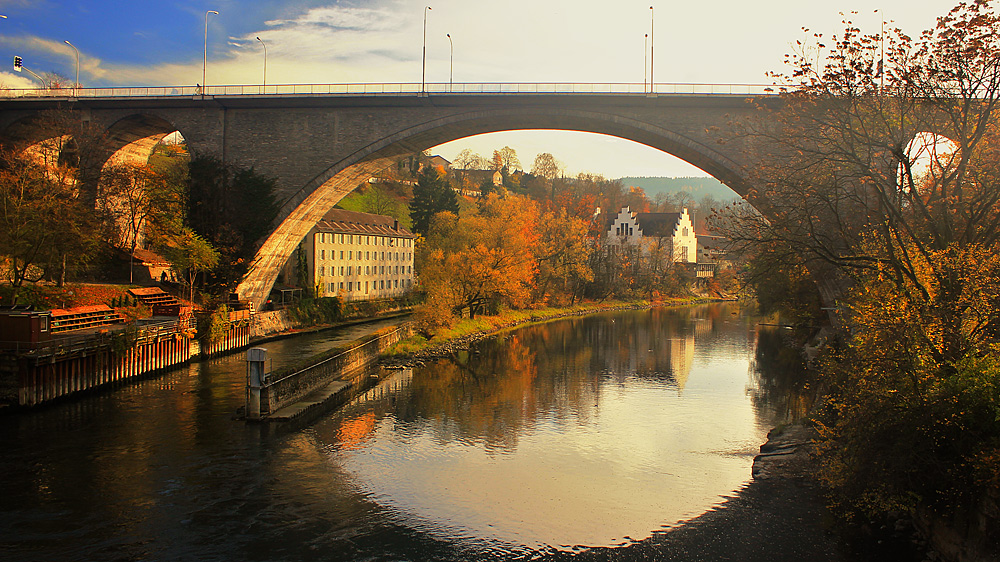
395, 89
62, 344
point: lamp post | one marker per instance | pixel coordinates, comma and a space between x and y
77, 83
652, 46
451, 68
204, 68
423, 60
645, 60
264, 83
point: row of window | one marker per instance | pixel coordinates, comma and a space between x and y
368, 255
364, 240
369, 270
375, 286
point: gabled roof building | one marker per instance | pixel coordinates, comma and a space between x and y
673, 231
359, 256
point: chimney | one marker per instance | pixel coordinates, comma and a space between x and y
395, 224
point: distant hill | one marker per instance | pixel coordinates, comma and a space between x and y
697, 187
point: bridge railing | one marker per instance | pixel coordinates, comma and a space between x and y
393, 88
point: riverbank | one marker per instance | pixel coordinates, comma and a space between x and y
416, 349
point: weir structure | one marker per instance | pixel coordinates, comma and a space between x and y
321, 146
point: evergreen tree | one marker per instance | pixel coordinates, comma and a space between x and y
431, 195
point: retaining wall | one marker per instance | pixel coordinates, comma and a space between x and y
288, 389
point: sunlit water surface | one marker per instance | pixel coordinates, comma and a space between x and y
592, 431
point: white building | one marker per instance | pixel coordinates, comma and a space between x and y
672, 231
359, 256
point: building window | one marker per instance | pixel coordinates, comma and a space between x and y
396, 282
350, 286
322, 254
350, 238
321, 269
350, 270
368, 255
685, 233
349, 254
341, 254
341, 238
366, 287
381, 270
382, 284
342, 271
341, 285
367, 270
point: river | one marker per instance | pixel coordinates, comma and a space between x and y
592, 431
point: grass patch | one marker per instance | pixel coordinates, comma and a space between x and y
466, 327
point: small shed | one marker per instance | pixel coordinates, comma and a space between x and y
24, 328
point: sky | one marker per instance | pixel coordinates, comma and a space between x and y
162, 43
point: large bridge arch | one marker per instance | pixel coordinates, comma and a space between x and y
304, 208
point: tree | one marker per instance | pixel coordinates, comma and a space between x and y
484, 260
547, 166
908, 249
232, 208
190, 254
505, 159
431, 195
131, 194
40, 219
468, 160
563, 255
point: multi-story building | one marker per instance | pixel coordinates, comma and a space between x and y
671, 232
359, 256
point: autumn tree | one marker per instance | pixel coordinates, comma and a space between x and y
41, 219
909, 249
563, 255
485, 260
131, 195
505, 160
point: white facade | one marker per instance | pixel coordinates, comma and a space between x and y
674, 230
359, 256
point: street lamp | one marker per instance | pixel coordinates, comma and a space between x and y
652, 46
423, 62
265, 61
204, 68
77, 83
451, 69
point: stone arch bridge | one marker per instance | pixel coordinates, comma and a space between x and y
320, 147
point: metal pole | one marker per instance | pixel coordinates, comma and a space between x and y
451, 69
645, 62
77, 83
423, 60
652, 47
204, 68
264, 83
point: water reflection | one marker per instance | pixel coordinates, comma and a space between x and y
589, 431
592, 431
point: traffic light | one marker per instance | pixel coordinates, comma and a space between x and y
17, 63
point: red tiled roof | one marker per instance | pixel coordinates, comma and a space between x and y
352, 222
